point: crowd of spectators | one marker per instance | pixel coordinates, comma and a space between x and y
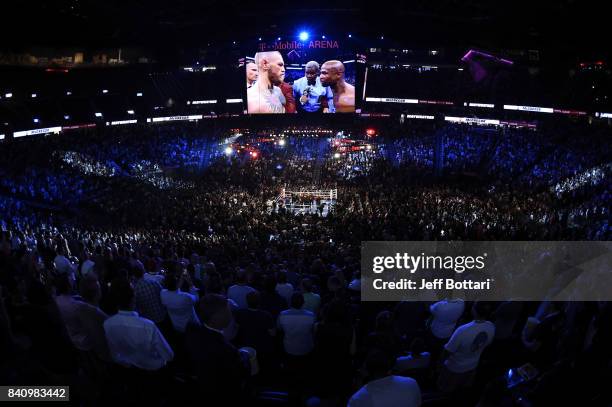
199, 294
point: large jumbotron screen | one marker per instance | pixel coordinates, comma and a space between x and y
301, 81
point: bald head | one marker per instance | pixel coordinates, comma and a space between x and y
312, 71
271, 66
251, 72
332, 72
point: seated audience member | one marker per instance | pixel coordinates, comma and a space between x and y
384, 389
180, 304
134, 341
219, 367
465, 347
238, 292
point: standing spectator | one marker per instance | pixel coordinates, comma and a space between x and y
256, 328
297, 326
147, 296
283, 288
335, 346
219, 367
465, 347
92, 317
68, 307
239, 291
271, 301
384, 389
63, 265
312, 301
133, 340
87, 265
180, 305
444, 317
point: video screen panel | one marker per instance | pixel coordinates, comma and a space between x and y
301, 81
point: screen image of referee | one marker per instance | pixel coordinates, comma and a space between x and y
311, 94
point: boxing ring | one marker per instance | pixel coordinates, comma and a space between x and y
305, 201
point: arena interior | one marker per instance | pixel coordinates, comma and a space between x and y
186, 188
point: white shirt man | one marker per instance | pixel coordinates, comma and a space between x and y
180, 306
285, 290
136, 341
238, 293
63, 265
297, 325
388, 391
69, 310
466, 345
445, 315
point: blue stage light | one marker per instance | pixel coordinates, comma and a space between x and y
304, 36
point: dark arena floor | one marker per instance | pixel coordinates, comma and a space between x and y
414, 222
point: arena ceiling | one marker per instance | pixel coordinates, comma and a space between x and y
522, 23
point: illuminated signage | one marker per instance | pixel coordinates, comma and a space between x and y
419, 116
121, 122
79, 126
570, 112
175, 118
604, 115
483, 105
46, 130
436, 102
1, 136
375, 115
325, 44
233, 101
391, 100
202, 102
529, 108
519, 124
472, 120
